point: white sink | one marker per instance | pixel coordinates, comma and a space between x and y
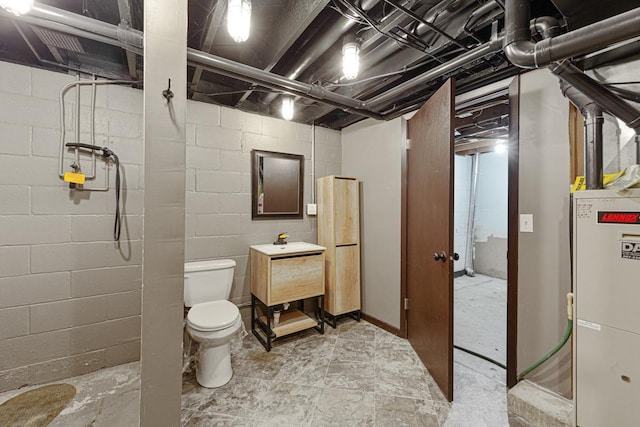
288, 249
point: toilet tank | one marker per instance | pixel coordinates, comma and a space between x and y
209, 280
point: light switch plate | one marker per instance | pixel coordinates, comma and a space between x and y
311, 208
526, 223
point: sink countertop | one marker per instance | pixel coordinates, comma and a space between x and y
288, 249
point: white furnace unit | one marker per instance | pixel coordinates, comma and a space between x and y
607, 313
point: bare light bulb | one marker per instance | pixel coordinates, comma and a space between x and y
239, 19
500, 147
17, 7
350, 58
287, 108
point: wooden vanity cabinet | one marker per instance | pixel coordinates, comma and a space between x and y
281, 274
339, 231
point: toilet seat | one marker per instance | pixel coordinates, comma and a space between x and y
213, 316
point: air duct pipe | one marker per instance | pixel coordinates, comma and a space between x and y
606, 99
525, 53
593, 140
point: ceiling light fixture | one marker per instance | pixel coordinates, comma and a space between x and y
500, 147
350, 57
238, 19
287, 108
17, 7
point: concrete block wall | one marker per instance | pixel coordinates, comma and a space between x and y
218, 205
69, 297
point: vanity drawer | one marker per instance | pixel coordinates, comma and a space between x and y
297, 277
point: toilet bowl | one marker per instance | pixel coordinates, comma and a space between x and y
213, 325
212, 321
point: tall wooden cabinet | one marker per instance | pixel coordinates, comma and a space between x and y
339, 231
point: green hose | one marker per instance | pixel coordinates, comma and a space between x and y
546, 357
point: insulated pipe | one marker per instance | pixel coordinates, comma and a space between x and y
525, 53
593, 139
606, 99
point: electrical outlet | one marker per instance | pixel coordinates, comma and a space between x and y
311, 209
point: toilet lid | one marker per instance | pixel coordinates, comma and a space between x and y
212, 315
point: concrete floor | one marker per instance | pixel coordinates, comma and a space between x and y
356, 374
480, 315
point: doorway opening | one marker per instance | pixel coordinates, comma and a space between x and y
481, 185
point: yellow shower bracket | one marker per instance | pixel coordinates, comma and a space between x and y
74, 178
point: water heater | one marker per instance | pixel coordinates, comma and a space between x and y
607, 314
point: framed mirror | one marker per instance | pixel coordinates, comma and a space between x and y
277, 184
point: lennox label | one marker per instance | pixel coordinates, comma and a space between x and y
630, 250
619, 217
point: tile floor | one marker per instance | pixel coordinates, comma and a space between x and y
355, 375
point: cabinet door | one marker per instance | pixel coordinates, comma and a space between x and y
296, 277
346, 215
347, 292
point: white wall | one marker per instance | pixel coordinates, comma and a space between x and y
69, 298
461, 190
371, 151
491, 207
490, 228
544, 265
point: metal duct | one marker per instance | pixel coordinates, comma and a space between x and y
606, 99
593, 139
525, 53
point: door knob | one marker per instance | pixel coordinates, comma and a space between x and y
440, 257
456, 256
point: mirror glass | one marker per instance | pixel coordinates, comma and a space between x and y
277, 185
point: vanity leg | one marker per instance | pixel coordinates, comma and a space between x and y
322, 314
269, 318
253, 313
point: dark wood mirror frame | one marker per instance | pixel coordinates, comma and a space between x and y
277, 185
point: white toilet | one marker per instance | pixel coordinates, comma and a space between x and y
212, 321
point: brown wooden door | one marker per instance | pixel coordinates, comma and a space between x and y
429, 217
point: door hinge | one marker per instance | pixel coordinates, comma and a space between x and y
406, 303
407, 144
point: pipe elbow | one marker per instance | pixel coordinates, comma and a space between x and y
546, 26
521, 53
